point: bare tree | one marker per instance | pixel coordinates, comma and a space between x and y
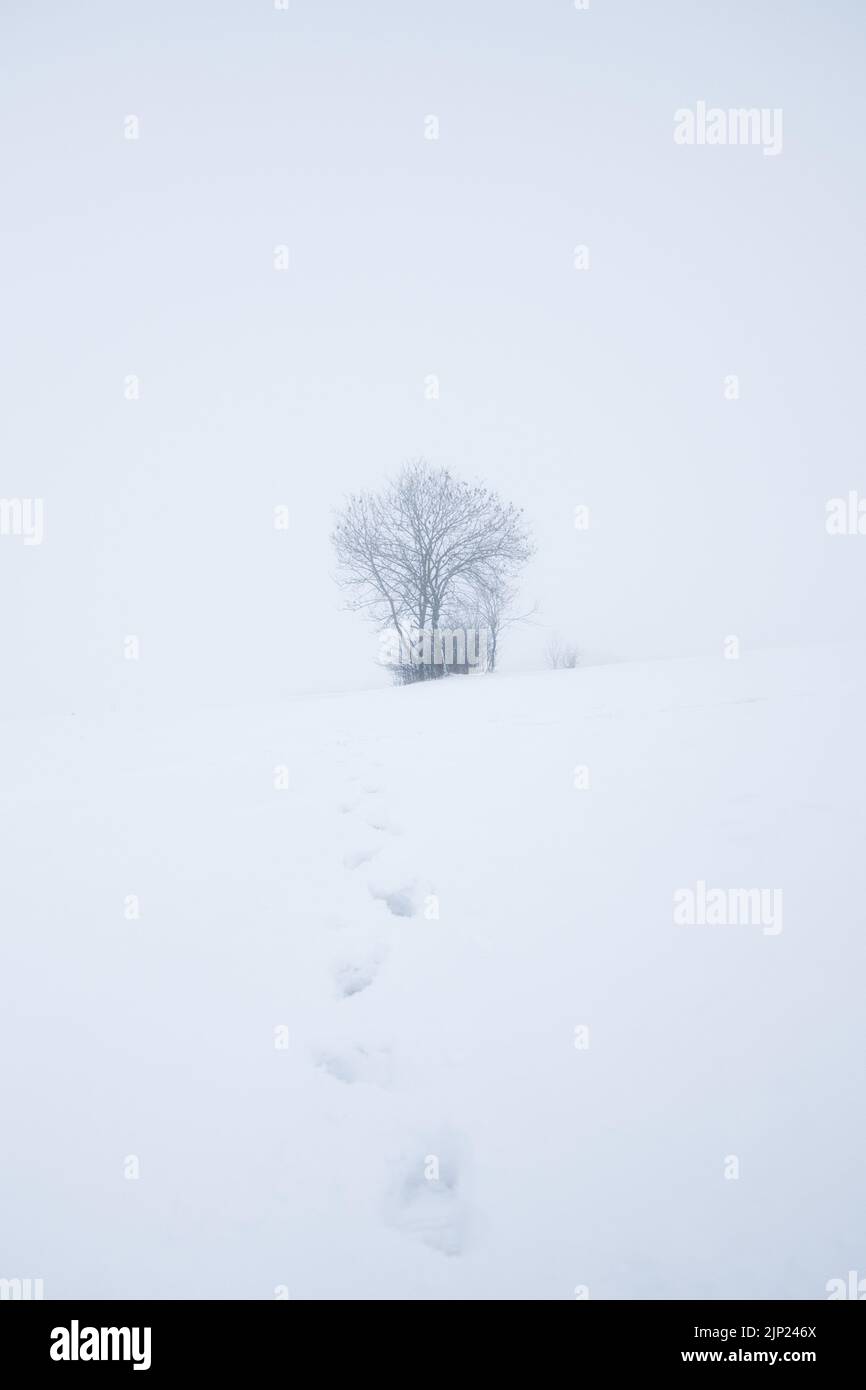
562, 656
426, 548
496, 614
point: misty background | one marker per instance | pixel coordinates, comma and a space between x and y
411, 257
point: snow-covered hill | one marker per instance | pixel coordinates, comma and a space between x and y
420, 1023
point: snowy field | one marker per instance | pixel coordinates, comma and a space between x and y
432, 953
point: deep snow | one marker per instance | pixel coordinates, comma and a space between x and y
415, 1040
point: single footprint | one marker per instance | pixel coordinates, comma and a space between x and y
427, 1201
374, 810
371, 1066
384, 825
401, 902
356, 857
354, 975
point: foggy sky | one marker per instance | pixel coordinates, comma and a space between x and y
410, 257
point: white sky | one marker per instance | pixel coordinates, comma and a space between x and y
261, 127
